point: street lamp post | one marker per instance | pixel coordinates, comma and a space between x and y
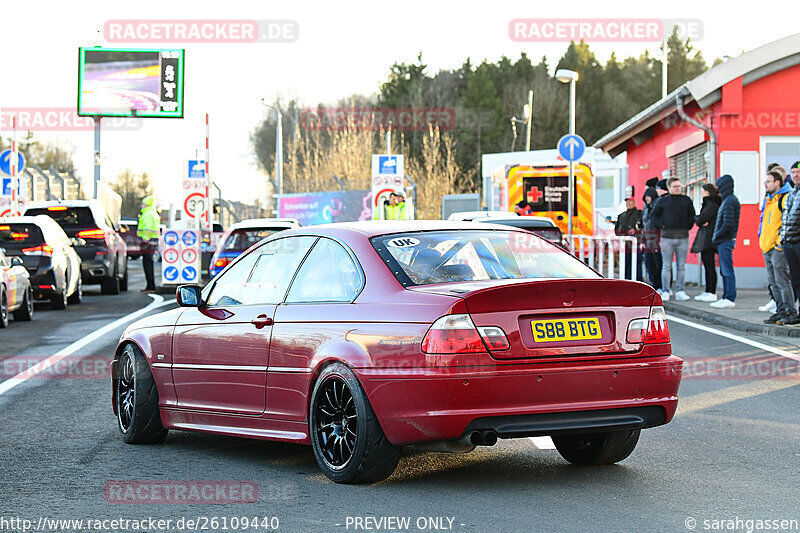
278, 147
570, 76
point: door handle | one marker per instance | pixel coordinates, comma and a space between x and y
261, 320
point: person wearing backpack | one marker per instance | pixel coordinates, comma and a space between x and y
778, 276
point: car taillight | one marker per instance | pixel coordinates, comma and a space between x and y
452, 334
57, 208
43, 249
653, 330
92, 234
222, 262
494, 337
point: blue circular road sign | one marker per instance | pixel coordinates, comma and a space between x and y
171, 238
189, 273
189, 238
571, 147
5, 162
171, 273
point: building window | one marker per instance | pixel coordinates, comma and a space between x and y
690, 168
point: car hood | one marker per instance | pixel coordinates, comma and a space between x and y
167, 318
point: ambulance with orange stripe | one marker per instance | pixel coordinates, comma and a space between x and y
543, 190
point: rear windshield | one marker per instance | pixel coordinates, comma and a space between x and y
71, 217
425, 258
19, 235
241, 239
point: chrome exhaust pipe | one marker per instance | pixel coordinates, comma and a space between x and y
479, 438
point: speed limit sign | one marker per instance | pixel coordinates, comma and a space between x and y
194, 204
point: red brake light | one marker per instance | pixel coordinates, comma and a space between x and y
222, 262
19, 236
92, 234
453, 334
57, 208
653, 330
44, 249
5, 228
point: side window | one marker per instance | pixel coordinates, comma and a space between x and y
230, 290
275, 267
328, 275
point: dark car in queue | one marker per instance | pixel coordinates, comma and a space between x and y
361, 338
103, 251
16, 296
541, 226
133, 244
48, 255
242, 235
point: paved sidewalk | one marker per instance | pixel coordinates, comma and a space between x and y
744, 317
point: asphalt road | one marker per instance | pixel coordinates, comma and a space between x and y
732, 451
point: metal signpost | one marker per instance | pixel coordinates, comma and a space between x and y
571, 147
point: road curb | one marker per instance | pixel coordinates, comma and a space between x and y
733, 323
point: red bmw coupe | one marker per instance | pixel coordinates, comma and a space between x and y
361, 338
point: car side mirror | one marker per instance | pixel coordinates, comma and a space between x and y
123, 228
189, 296
16, 261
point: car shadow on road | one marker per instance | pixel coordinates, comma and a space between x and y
508, 463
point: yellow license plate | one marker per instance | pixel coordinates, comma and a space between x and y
566, 329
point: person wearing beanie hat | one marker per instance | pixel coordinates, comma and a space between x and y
661, 187
650, 238
651, 182
725, 239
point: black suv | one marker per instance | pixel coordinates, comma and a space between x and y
102, 250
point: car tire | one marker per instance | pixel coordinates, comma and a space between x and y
77, 296
338, 403
59, 301
110, 285
123, 284
597, 448
25, 312
136, 400
3, 309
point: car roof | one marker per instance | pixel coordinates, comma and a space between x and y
265, 223
374, 228
68, 203
520, 222
469, 215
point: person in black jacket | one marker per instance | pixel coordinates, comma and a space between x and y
627, 225
651, 236
674, 216
725, 239
790, 228
707, 219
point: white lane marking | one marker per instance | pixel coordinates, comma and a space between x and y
737, 338
12, 382
543, 443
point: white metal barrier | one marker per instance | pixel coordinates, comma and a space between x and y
608, 255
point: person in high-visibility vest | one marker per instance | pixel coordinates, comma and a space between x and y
148, 231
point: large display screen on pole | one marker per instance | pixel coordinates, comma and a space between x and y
130, 82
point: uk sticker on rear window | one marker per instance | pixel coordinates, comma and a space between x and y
403, 242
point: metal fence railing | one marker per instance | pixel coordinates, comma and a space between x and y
609, 255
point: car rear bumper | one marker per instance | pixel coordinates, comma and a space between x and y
429, 404
94, 270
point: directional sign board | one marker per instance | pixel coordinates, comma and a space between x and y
5, 162
571, 147
180, 249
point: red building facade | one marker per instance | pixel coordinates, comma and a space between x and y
746, 115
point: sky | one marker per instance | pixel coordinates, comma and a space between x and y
342, 48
